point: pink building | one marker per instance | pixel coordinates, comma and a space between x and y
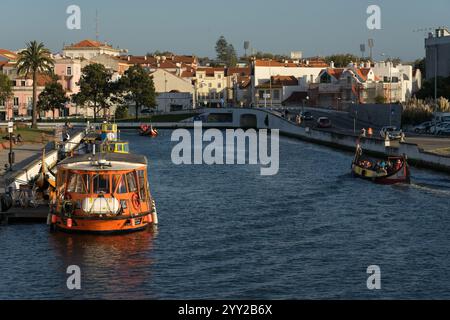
20, 105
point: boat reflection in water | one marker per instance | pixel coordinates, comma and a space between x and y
112, 267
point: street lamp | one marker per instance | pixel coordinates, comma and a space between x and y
390, 87
303, 105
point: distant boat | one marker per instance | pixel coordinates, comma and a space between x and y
393, 170
147, 130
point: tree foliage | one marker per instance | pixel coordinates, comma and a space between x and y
35, 59
427, 90
342, 60
137, 86
96, 89
5, 88
226, 53
52, 98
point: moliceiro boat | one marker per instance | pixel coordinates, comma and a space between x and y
102, 193
148, 130
393, 170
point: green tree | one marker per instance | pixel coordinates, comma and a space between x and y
222, 49
428, 91
121, 112
5, 89
231, 56
96, 89
420, 64
137, 86
35, 59
342, 60
52, 98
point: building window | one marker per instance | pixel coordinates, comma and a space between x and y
219, 85
210, 85
16, 101
219, 76
276, 94
23, 83
69, 71
261, 94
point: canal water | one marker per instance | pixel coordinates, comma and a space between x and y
227, 232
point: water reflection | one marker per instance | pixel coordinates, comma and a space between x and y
112, 267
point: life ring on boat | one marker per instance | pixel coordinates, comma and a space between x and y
136, 201
68, 207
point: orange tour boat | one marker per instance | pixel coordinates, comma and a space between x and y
102, 193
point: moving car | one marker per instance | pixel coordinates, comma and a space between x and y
323, 122
307, 116
390, 131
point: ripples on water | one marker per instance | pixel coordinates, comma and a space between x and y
227, 232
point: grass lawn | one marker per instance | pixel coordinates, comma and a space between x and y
154, 118
442, 151
161, 118
33, 135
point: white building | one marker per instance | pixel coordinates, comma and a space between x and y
274, 82
88, 49
402, 80
174, 93
211, 86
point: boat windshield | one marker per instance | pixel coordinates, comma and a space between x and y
101, 183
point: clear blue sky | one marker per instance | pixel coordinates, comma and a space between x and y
318, 27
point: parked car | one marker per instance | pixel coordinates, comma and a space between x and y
440, 128
307, 116
147, 111
436, 128
390, 131
423, 127
444, 131
323, 122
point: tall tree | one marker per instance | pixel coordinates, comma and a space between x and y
96, 88
52, 98
137, 86
222, 49
5, 89
231, 56
35, 59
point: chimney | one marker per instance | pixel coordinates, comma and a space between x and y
332, 64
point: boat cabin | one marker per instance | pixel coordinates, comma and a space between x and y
115, 147
110, 184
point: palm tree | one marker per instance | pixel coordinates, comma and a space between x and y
36, 58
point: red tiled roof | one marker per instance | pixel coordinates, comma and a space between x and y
336, 72
42, 79
362, 73
296, 97
244, 82
8, 54
285, 80
89, 44
239, 71
210, 71
187, 74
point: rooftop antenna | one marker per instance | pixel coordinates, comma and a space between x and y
96, 25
